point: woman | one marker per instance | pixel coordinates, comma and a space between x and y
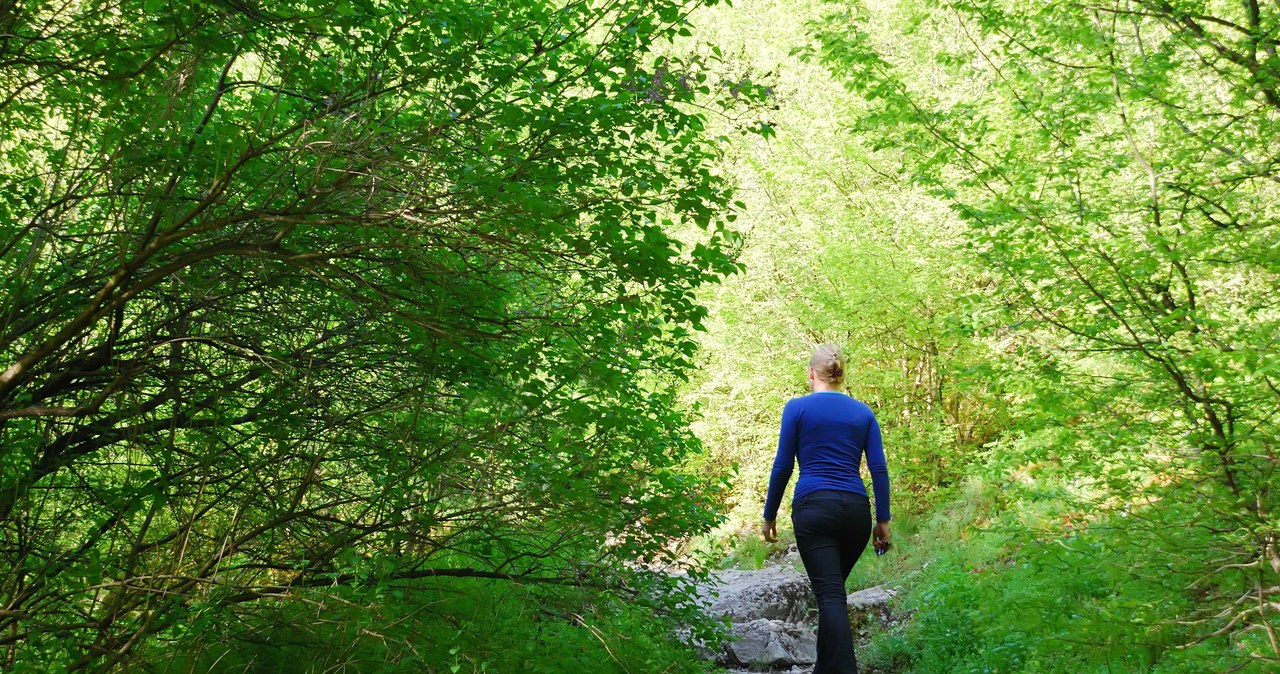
829, 432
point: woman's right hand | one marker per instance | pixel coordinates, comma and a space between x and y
881, 537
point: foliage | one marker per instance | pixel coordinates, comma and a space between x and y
1039, 592
1114, 165
336, 293
836, 248
444, 627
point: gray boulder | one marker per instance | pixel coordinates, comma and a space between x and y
772, 643
772, 611
765, 607
773, 593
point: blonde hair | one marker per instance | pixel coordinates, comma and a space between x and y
828, 364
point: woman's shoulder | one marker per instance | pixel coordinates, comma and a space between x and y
825, 398
833, 399
860, 404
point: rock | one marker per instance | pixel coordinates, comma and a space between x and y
772, 611
793, 554
864, 603
870, 598
765, 607
774, 593
772, 643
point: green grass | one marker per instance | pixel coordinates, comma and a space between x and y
1019, 593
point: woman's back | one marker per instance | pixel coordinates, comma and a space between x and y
828, 433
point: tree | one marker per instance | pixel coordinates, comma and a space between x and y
1116, 167
321, 293
836, 249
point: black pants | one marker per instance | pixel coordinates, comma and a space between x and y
832, 529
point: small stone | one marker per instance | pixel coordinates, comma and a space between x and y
870, 598
865, 603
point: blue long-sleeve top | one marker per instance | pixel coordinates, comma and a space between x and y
829, 433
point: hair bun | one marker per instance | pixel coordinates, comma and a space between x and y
828, 363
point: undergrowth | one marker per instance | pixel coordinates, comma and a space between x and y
437, 627
1045, 591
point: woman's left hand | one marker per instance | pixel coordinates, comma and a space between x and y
770, 531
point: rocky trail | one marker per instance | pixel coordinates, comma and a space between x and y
775, 618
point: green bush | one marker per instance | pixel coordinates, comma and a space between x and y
1059, 594
453, 627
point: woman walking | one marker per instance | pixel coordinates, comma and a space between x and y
829, 433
